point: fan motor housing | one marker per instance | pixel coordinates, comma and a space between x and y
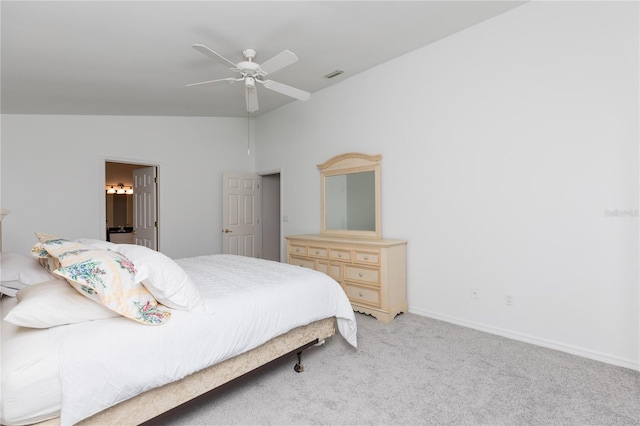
249, 68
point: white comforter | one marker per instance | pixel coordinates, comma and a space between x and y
246, 303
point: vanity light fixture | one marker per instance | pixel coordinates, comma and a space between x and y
119, 189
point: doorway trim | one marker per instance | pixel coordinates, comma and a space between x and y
103, 182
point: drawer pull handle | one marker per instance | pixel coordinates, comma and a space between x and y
339, 254
360, 274
317, 251
361, 294
366, 258
297, 250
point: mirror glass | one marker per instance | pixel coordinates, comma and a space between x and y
119, 210
351, 201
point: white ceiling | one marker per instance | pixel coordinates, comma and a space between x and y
135, 58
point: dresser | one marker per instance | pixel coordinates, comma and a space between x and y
372, 272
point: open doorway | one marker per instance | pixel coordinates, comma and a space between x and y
131, 203
270, 237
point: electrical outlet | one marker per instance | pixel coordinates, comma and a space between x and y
508, 299
474, 293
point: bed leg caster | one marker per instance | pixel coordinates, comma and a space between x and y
299, 368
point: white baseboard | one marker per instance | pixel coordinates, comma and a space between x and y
574, 350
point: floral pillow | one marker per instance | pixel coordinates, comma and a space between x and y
104, 276
48, 262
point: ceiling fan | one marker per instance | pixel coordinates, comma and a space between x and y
251, 73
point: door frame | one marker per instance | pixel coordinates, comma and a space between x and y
102, 169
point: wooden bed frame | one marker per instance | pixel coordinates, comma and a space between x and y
155, 402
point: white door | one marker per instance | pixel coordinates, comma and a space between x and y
145, 225
239, 214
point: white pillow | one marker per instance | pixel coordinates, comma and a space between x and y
166, 281
22, 268
55, 303
98, 244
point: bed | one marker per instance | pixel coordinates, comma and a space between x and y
115, 370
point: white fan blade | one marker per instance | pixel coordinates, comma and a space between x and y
287, 90
279, 61
231, 80
251, 96
210, 53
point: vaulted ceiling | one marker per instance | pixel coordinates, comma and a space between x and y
136, 57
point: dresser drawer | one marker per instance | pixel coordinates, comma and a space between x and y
303, 261
367, 257
357, 273
340, 254
331, 269
363, 295
298, 249
316, 251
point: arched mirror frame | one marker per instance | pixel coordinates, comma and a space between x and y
352, 162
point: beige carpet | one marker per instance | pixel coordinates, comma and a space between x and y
419, 371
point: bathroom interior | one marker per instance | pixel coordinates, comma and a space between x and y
119, 201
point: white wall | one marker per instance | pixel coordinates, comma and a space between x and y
53, 175
506, 148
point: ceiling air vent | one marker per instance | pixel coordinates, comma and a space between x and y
334, 74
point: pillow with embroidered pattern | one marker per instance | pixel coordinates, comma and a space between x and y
48, 262
51, 263
106, 277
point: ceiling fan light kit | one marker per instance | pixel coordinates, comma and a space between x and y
251, 73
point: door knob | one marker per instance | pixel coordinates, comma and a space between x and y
226, 231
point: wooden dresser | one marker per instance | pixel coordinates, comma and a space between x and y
372, 272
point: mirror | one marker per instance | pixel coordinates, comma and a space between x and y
119, 210
350, 195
